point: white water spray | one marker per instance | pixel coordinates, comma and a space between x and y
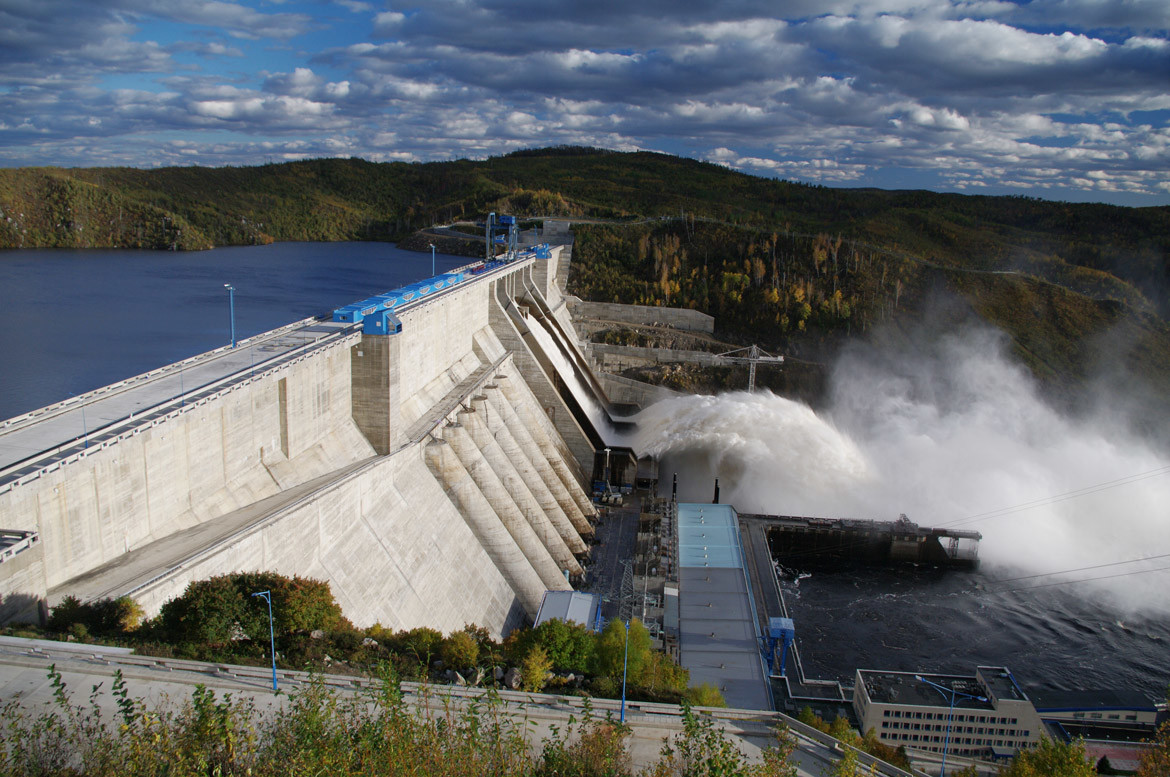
945, 436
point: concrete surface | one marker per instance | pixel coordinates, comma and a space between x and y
312, 465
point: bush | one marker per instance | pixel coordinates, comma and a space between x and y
222, 609
459, 651
102, 617
570, 646
534, 670
706, 695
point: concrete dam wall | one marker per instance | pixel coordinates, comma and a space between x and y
433, 477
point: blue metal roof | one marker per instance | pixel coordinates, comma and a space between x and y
718, 634
708, 536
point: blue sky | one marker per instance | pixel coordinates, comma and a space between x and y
1060, 99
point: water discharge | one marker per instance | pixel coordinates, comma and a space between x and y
952, 434
585, 397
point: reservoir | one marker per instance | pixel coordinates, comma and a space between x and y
75, 320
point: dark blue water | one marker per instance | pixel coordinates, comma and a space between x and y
72, 321
928, 619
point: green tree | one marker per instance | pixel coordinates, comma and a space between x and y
208, 612
570, 646
612, 655
535, 669
1155, 762
1051, 759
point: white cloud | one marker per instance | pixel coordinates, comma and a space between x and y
979, 94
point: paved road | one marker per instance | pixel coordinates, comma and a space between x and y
61, 430
24, 667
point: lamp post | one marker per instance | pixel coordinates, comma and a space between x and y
625, 665
267, 596
432, 260
951, 693
84, 427
232, 309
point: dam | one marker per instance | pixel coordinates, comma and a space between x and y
434, 473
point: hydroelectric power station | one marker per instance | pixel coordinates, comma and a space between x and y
430, 452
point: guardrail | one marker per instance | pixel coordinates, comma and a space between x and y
15, 542
80, 399
158, 414
651, 713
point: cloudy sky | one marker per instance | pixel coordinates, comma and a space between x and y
1061, 99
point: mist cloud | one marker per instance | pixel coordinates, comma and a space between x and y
952, 433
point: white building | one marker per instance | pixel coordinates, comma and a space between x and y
992, 716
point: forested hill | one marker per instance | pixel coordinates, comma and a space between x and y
788, 265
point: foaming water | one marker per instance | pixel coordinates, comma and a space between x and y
952, 434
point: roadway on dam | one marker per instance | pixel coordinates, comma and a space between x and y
35, 440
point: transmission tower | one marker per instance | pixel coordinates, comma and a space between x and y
626, 606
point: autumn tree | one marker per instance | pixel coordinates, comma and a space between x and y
1051, 759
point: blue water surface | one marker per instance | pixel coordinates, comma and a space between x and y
75, 320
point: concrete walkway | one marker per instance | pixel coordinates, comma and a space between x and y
140, 566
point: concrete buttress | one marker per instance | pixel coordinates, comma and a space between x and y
504, 506
518, 444
505, 468
530, 416
496, 540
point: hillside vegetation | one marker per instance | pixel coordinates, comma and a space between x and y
1079, 288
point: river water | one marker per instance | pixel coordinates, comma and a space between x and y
75, 320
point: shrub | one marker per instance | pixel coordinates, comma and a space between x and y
459, 651
706, 695
534, 670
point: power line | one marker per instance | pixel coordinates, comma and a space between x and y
1087, 490
1082, 569
1089, 579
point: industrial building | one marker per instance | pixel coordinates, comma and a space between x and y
718, 634
987, 714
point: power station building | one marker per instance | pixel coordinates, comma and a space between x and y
991, 715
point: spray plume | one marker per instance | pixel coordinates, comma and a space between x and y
950, 433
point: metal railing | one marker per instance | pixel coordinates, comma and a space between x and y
75, 449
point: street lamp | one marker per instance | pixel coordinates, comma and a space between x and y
232, 309
625, 665
952, 693
84, 427
267, 596
432, 260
